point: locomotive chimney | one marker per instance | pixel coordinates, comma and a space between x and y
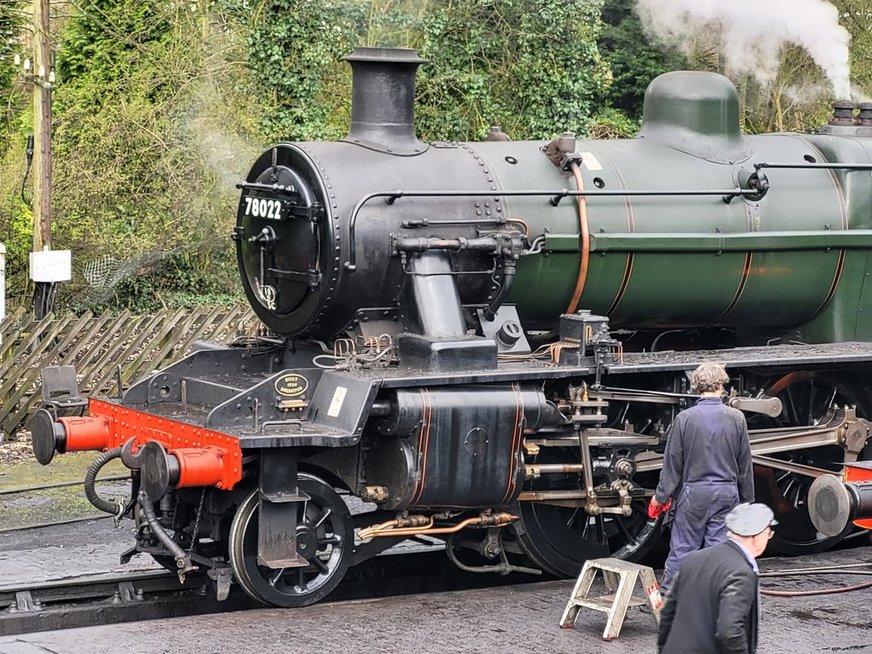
383, 99
843, 113
865, 117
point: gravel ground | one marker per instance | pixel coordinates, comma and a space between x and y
15, 451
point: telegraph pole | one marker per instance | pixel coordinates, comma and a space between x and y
47, 266
42, 77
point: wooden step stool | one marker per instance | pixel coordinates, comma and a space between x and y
620, 579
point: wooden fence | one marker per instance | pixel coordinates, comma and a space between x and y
98, 346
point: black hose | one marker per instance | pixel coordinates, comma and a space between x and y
503, 568
28, 150
183, 560
91, 478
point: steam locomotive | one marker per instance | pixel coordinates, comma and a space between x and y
486, 343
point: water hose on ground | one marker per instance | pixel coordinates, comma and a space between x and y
804, 572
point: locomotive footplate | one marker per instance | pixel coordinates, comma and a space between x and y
792, 356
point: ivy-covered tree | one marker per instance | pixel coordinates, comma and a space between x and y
634, 60
294, 50
533, 68
131, 179
856, 17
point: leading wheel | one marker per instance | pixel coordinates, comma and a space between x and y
322, 521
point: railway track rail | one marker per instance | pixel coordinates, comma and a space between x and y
90, 600
108, 598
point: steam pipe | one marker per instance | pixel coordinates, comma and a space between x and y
584, 229
393, 196
183, 560
509, 269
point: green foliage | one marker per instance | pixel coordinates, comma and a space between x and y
103, 43
856, 17
634, 60
294, 48
11, 14
11, 23
533, 68
609, 123
16, 218
131, 176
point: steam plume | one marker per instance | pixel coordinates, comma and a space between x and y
752, 32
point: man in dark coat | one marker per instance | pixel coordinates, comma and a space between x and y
714, 604
707, 457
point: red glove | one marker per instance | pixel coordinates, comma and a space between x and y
655, 509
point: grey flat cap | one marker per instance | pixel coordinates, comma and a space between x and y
750, 519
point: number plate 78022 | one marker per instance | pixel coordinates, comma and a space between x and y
263, 208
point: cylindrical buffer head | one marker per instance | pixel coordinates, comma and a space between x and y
159, 470
833, 505
47, 436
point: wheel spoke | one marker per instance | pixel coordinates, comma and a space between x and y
322, 567
831, 399
811, 407
624, 531
586, 526
322, 518
794, 415
571, 521
333, 539
279, 573
789, 486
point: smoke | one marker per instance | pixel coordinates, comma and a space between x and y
225, 152
750, 34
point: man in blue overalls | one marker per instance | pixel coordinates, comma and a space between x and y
708, 462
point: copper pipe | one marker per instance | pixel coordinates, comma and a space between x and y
520, 221
414, 531
392, 527
585, 241
500, 519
